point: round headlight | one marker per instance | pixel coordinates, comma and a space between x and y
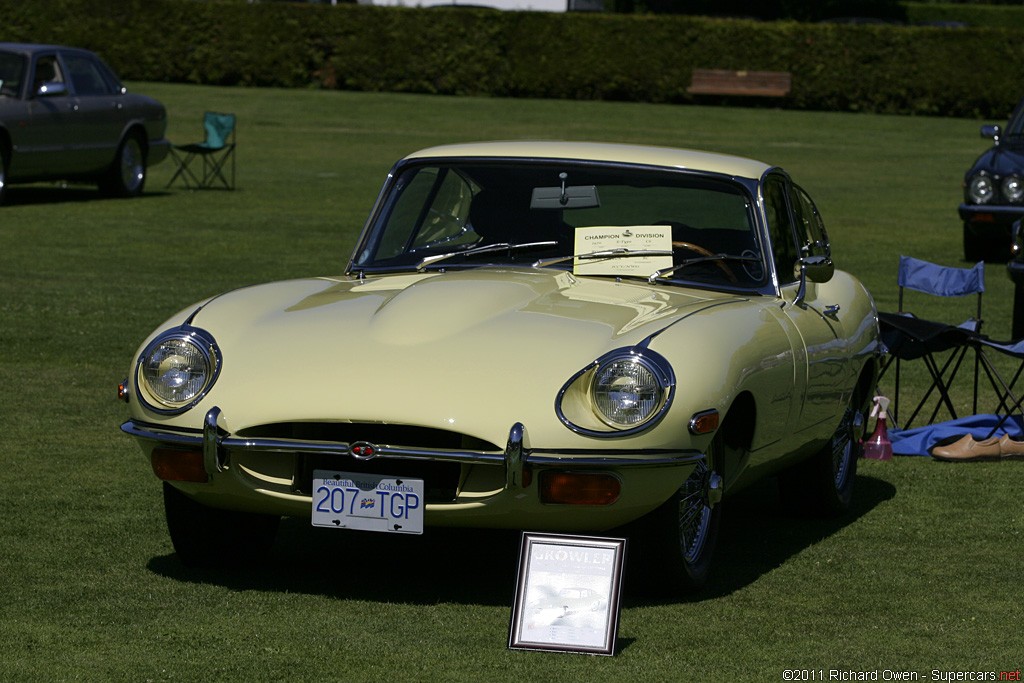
1013, 189
177, 369
980, 189
627, 393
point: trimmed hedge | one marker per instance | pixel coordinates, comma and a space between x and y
645, 58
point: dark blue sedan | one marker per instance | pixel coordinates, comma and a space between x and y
994, 191
64, 115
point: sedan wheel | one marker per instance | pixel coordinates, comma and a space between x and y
127, 175
210, 537
3, 173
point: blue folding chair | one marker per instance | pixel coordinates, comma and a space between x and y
941, 346
215, 151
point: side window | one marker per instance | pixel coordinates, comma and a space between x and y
47, 71
12, 70
780, 228
810, 228
86, 76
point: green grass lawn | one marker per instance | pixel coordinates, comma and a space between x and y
925, 575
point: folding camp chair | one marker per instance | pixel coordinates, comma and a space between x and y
1007, 402
215, 152
941, 347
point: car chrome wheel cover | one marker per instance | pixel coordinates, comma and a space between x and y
694, 514
133, 167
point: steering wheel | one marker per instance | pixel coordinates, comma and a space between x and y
697, 249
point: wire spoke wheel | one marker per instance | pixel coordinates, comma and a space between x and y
843, 450
694, 514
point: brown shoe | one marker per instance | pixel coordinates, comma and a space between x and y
1010, 449
967, 449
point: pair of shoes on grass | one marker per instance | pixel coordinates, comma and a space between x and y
967, 449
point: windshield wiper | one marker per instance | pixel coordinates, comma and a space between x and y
700, 259
604, 254
482, 249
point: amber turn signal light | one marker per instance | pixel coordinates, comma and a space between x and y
174, 465
579, 488
704, 422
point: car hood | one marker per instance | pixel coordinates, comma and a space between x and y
1001, 160
472, 351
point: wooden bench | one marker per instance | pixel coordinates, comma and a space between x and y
748, 83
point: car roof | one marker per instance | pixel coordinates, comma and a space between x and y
598, 151
32, 48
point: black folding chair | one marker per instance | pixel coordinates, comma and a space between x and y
941, 347
1008, 403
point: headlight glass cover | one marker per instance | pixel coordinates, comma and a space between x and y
980, 189
1013, 189
626, 393
177, 369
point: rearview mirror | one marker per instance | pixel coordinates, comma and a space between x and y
568, 197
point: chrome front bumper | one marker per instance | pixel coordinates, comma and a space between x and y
217, 447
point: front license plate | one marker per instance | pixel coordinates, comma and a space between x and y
371, 502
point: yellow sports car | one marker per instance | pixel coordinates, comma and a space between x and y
529, 335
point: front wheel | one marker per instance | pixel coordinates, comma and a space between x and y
210, 537
126, 176
684, 530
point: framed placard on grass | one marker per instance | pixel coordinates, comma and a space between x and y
568, 593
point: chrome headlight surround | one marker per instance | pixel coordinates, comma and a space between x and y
177, 369
981, 189
622, 393
1012, 188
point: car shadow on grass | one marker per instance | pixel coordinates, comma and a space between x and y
34, 195
479, 567
759, 534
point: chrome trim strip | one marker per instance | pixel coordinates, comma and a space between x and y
216, 446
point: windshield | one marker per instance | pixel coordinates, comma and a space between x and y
1016, 125
593, 219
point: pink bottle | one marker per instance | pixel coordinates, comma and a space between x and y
877, 446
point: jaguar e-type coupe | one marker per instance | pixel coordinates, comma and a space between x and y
548, 336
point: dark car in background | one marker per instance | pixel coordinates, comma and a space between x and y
994, 191
64, 115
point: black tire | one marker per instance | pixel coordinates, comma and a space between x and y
4, 162
210, 537
126, 176
974, 246
823, 484
683, 532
